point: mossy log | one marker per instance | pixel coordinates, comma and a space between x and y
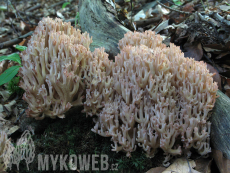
220, 129
106, 31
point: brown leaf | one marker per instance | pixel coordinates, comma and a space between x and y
222, 163
22, 42
188, 7
203, 165
193, 50
216, 77
178, 18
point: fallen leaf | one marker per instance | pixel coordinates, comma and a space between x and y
203, 165
7, 106
163, 25
162, 10
140, 15
3, 30
208, 49
7, 126
22, 25
216, 77
182, 165
3, 67
3, 51
193, 50
5, 94
188, 7
224, 7
222, 163
12, 130
22, 42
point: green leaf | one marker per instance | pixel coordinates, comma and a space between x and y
77, 18
20, 48
13, 57
177, 2
3, 7
7, 75
65, 4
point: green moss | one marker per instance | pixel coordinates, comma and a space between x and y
72, 135
13, 87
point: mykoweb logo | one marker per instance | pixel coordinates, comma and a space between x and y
25, 150
84, 162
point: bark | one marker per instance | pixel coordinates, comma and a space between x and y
220, 130
102, 25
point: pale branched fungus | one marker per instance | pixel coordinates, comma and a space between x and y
161, 99
151, 96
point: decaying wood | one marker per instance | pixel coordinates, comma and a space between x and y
220, 131
107, 31
102, 25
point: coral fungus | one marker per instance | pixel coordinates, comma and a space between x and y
53, 67
161, 99
151, 96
